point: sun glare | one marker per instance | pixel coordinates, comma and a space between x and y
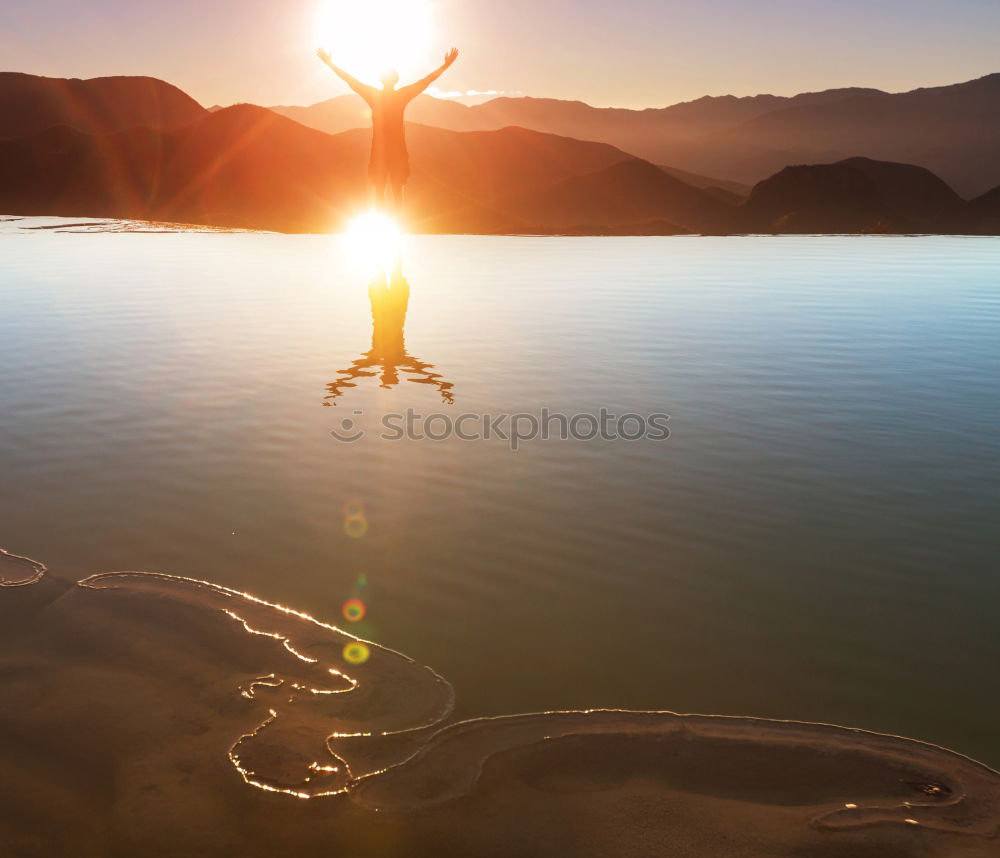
367, 37
373, 240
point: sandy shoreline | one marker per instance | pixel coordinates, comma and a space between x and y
144, 713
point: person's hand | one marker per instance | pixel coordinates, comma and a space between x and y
324, 56
451, 56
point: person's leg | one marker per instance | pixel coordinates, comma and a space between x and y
397, 196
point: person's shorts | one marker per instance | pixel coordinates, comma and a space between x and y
391, 169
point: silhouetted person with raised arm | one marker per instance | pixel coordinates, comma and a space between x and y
390, 162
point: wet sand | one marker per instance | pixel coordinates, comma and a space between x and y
147, 714
42, 223
17, 571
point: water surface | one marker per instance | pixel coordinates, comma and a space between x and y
815, 541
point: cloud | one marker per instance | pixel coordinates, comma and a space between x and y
469, 93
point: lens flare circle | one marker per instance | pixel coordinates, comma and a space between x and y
354, 509
354, 610
369, 37
356, 653
356, 528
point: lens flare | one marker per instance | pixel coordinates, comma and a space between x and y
354, 509
356, 528
356, 653
374, 242
369, 37
354, 610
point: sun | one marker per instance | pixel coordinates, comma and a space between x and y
367, 37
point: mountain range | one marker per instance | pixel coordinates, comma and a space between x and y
141, 148
97, 106
952, 130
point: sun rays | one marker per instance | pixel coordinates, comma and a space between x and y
373, 241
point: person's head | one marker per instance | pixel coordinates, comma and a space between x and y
390, 77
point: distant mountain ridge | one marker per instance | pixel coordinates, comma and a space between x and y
682, 121
953, 130
97, 106
138, 148
627, 192
644, 133
245, 166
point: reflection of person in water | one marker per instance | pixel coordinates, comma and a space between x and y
390, 298
390, 162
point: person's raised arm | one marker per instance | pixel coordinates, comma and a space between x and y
414, 89
360, 88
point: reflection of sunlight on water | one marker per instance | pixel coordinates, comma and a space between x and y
373, 241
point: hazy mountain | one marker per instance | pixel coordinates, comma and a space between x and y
246, 166
857, 195
231, 168
98, 106
733, 190
347, 112
645, 133
952, 130
648, 132
621, 127
627, 193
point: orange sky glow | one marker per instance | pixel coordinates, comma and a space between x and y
628, 53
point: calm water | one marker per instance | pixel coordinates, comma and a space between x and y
817, 539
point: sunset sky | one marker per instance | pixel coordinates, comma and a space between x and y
628, 53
